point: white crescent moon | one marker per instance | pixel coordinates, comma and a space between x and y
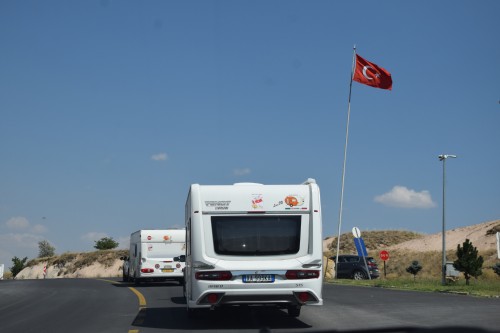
364, 73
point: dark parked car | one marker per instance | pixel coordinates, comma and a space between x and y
353, 267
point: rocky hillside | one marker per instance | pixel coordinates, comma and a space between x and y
97, 264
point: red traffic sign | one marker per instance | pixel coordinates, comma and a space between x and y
384, 255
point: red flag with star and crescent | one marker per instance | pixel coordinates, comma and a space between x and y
371, 74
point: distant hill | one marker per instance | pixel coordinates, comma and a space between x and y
482, 236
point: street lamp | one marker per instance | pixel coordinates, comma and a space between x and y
444, 158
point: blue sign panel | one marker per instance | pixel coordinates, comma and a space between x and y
360, 247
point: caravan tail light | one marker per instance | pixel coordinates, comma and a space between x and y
214, 276
147, 270
305, 297
212, 298
301, 274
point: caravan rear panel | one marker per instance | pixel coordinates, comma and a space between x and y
157, 255
253, 244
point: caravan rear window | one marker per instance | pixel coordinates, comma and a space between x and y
256, 235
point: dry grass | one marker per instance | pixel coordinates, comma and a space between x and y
431, 264
374, 240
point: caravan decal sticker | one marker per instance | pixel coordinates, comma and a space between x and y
294, 200
218, 205
257, 201
279, 203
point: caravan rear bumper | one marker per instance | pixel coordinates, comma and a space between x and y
217, 298
287, 287
157, 276
279, 297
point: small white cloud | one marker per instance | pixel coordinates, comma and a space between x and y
93, 236
39, 229
18, 223
159, 157
25, 240
400, 196
241, 172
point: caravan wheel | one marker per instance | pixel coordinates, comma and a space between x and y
137, 281
294, 311
126, 277
193, 313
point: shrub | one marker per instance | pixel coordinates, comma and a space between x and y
414, 268
106, 243
18, 266
496, 268
45, 249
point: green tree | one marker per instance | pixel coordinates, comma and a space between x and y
414, 268
106, 243
45, 249
468, 262
18, 266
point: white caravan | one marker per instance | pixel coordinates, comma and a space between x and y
156, 255
1, 271
253, 244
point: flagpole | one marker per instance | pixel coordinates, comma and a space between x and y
345, 157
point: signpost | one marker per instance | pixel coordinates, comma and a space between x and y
384, 255
360, 246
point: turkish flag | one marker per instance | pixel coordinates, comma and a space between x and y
371, 74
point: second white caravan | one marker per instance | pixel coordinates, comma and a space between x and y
156, 255
253, 244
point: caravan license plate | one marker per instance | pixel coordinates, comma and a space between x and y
167, 270
258, 278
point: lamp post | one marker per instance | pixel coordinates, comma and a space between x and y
444, 158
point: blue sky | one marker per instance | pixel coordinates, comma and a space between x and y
109, 110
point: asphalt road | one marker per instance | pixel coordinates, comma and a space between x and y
65, 305
94, 305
